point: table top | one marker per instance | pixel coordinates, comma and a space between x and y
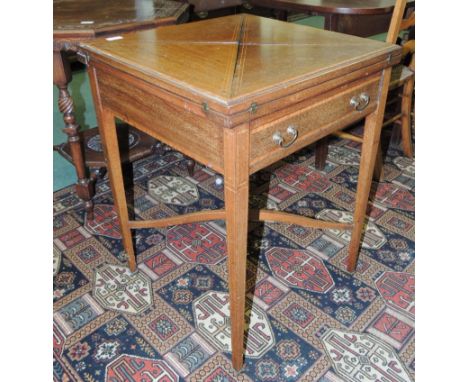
89, 18
350, 7
235, 58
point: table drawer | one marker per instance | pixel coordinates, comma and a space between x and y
329, 112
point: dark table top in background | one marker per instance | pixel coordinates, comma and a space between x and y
75, 19
347, 7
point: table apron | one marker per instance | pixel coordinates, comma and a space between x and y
203, 140
185, 131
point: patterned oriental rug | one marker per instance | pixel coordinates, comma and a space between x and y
309, 319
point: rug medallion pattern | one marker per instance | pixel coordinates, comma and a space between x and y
307, 318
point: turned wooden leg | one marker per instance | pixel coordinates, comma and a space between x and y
190, 166
321, 153
236, 194
406, 118
108, 132
62, 77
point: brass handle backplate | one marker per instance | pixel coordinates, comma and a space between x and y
360, 102
279, 140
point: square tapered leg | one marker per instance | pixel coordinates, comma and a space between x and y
236, 193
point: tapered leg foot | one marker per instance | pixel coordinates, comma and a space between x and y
89, 208
190, 166
236, 194
107, 129
370, 147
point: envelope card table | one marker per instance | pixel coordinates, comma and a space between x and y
239, 93
76, 21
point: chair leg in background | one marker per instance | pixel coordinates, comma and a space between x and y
406, 118
321, 153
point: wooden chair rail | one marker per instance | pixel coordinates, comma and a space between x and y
409, 22
395, 119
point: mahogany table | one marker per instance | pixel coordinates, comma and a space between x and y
77, 21
357, 17
239, 93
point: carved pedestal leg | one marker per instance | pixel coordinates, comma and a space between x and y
236, 193
62, 77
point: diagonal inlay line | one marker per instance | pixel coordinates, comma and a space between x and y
231, 64
239, 58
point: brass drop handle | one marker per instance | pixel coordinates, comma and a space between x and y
278, 139
360, 102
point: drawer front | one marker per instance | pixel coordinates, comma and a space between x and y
332, 111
